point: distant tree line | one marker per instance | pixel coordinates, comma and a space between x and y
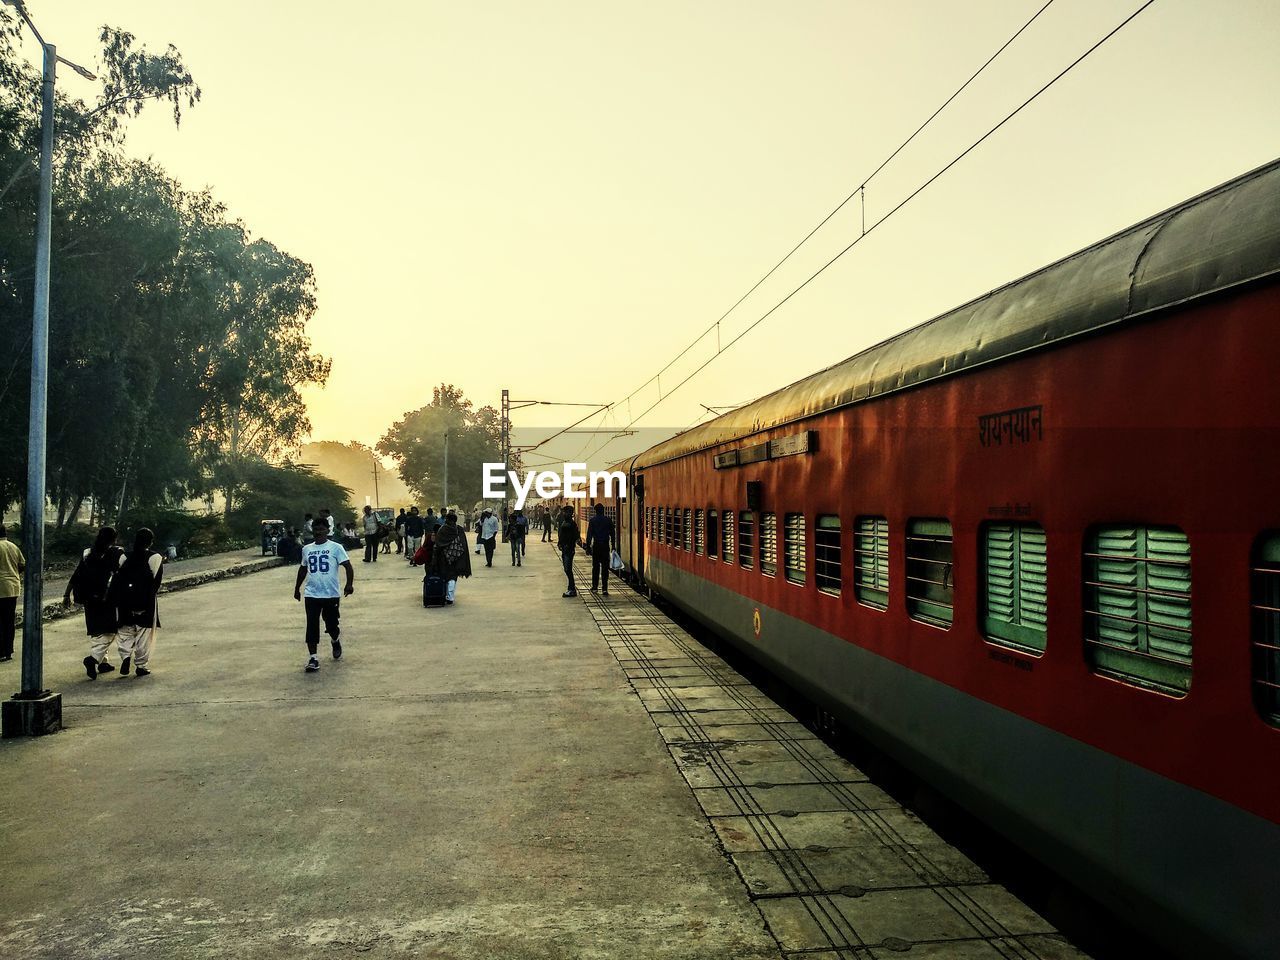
178, 340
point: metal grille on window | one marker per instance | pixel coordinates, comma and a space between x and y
769, 544
746, 539
713, 533
871, 561
1015, 601
930, 587
1138, 606
699, 533
727, 530
826, 554
1266, 628
687, 528
793, 546
678, 541
667, 521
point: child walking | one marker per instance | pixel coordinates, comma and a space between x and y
319, 568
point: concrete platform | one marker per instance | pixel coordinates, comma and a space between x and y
475, 781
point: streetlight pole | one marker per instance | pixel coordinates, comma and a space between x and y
445, 501
34, 710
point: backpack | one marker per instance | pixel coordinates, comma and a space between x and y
92, 578
134, 584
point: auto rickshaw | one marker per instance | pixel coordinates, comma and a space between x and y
272, 531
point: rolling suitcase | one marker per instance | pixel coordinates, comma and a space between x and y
433, 590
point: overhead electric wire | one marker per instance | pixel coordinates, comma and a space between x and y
911, 196
840, 206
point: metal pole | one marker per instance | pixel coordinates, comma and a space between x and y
377, 497
506, 444
33, 509
445, 499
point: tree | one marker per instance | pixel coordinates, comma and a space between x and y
285, 492
416, 444
351, 464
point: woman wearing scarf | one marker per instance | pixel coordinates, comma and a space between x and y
450, 558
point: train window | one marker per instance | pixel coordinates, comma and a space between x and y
1138, 606
746, 539
687, 527
666, 526
826, 554
930, 586
1015, 584
871, 561
678, 531
699, 533
727, 532
1266, 628
713, 533
793, 546
769, 544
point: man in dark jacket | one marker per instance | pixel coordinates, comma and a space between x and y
600, 542
568, 534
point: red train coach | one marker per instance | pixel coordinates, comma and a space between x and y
1032, 549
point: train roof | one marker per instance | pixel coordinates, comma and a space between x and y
1225, 237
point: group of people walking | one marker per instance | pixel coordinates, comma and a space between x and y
118, 589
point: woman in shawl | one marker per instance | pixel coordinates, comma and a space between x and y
450, 558
90, 585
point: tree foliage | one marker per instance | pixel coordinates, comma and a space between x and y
416, 443
177, 339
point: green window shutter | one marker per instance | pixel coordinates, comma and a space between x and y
769, 544
1016, 572
1138, 606
1266, 628
871, 561
793, 547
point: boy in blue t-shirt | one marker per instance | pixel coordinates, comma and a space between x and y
320, 562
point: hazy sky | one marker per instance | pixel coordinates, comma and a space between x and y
555, 197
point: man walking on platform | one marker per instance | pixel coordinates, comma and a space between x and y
319, 568
413, 529
370, 526
600, 543
489, 535
546, 524
12, 565
568, 542
517, 527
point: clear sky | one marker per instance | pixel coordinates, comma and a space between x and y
555, 197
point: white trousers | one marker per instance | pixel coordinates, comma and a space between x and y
411, 545
99, 645
450, 590
134, 641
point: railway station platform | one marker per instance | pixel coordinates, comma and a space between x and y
516, 776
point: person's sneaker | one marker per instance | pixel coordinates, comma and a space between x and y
142, 672
91, 667
105, 667
595, 589
569, 593
124, 667
448, 602
604, 593
337, 650
313, 664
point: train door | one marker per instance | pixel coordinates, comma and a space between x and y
636, 506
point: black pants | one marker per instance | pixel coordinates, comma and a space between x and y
371, 548
8, 611
317, 607
566, 557
599, 566
546, 534
489, 546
